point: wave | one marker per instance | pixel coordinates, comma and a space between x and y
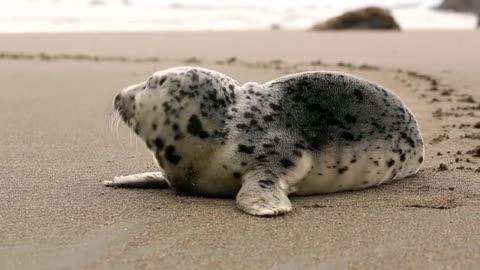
193, 15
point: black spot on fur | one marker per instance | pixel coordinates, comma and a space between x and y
255, 109
159, 143
237, 175
420, 159
342, 170
275, 107
195, 127
390, 163
335, 122
268, 118
136, 129
299, 145
242, 126
246, 149
178, 137
261, 158
314, 107
350, 118
357, 93
171, 155
354, 160
402, 157
286, 163
410, 142
408, 139
248, 115
347, 136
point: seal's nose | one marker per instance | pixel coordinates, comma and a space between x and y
117, 102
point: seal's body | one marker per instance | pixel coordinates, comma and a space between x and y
306, 133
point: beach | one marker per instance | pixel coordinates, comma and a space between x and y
57, 146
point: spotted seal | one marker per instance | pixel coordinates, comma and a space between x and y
307, 133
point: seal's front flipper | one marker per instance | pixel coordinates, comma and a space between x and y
141, 180
263, 194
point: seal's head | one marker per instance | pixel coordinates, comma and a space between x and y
176, 105
137, 103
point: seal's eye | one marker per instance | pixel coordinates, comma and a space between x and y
154, 82
162, 81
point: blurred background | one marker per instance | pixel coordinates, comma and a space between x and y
195, 15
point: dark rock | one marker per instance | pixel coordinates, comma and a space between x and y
468, 99
370, 18
443, 167
475, 152
275, 27
461, 5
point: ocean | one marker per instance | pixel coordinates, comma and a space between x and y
196, 15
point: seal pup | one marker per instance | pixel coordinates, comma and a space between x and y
307, 133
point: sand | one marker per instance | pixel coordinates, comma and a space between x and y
56, 146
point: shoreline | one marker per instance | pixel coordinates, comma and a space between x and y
372, 47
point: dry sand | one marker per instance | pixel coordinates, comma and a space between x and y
56, 147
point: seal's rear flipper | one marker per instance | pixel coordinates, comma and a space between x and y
141, 180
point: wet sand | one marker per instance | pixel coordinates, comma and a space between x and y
57, 146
